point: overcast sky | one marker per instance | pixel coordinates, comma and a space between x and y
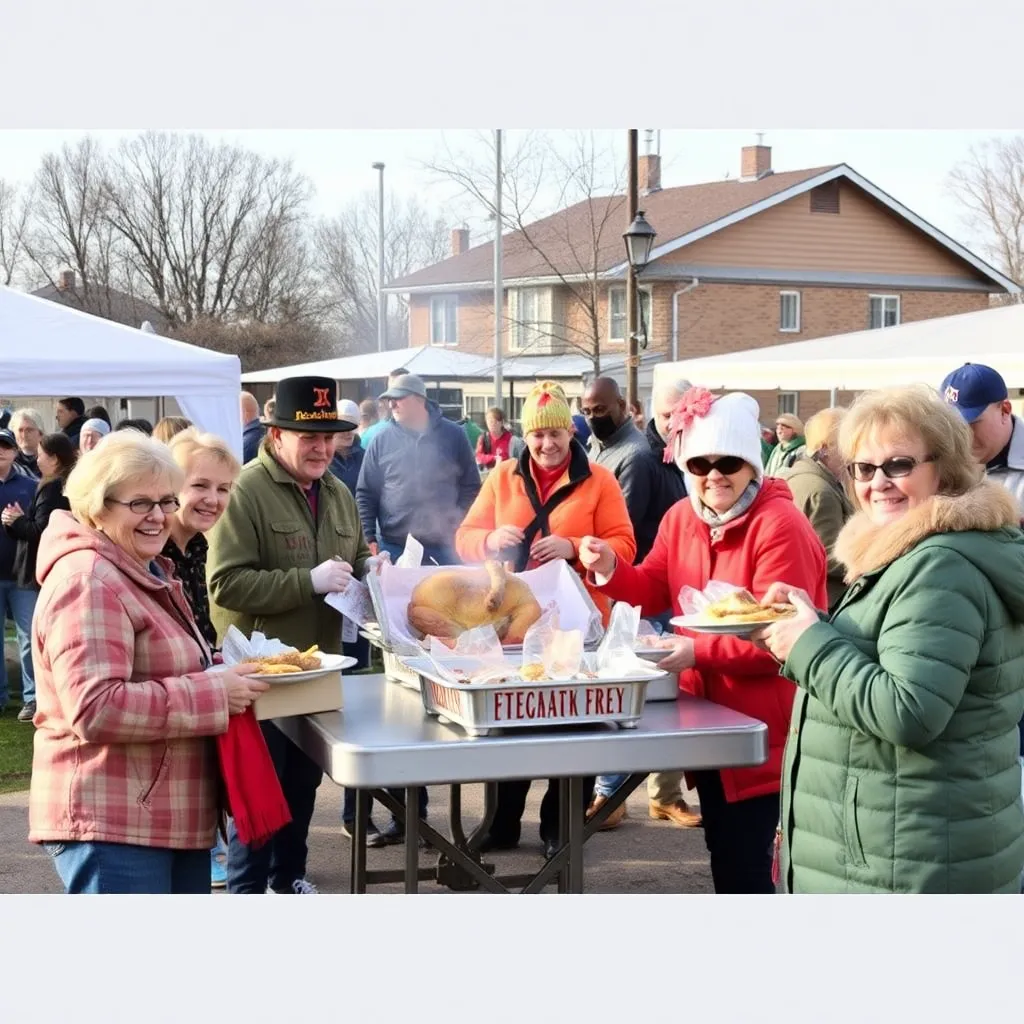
912, 166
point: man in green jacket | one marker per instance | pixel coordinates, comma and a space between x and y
290, 534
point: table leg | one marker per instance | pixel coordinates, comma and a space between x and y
575, 835
357, 881
565, 875
412, 839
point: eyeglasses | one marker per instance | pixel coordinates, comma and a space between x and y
895, 468
727, 465
143, 506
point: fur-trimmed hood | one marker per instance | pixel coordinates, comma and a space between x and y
863, 546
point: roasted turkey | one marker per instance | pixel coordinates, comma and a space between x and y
448, 603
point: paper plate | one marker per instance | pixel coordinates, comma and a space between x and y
696, 624
328, 663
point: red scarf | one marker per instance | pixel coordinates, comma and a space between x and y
255, 798
545, 479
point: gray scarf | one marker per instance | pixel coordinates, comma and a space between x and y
715, 519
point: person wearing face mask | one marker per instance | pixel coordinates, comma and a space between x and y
289, 535
210, 472
901, 774
619, 446
739, 528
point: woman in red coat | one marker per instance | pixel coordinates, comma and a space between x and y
740, 528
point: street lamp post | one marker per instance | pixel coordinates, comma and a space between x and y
639, 238
382, 299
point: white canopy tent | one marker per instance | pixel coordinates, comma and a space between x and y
49, 349
924, 351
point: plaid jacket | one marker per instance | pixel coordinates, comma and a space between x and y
124, 709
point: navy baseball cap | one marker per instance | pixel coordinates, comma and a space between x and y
972, 389
7, 439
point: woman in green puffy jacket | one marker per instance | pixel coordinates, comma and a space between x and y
901, 772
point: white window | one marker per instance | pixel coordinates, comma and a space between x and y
789, 402
884, 310
789, 311
617, 313
444, 320
530, 317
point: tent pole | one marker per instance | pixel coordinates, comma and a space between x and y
832, 395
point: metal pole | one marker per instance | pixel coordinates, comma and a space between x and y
382, 299
633, 201
499, 313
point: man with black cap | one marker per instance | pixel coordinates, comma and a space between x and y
418, 477
289, 535
16, 603
980, 395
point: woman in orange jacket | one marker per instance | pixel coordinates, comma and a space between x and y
532, 510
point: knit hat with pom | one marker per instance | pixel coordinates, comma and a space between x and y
546, 408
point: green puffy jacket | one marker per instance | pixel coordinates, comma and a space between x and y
262, 551
901, 772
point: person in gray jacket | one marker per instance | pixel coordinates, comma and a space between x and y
418, 477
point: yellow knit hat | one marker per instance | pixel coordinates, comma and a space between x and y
546, 408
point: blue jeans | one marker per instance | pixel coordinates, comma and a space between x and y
605, 785
282, 860
18, 604
121, 868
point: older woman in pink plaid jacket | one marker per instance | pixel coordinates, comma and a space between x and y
124, 775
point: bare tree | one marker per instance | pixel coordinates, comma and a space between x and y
579, 179
347, 252
208, 228
262, 345
14, 212
67, 227
989, 184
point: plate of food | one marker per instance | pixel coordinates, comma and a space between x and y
293, 665
738, 614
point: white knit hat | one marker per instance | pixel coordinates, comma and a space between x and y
729, 428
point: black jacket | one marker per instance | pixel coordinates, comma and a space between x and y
27, 529
74, 430
672, 479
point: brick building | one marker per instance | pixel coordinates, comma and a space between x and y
763, 259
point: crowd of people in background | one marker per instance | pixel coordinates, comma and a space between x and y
893, 696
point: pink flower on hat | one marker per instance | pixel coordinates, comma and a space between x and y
696, 402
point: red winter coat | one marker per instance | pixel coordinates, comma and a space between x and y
772, 542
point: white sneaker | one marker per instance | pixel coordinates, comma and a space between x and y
303, 888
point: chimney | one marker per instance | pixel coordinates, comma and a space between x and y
460, 241
755, 162
648, 173
67, 281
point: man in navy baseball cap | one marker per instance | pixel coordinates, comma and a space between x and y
979, 394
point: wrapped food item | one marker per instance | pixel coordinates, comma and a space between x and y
448, 603
555, 652
725, 603
616, 656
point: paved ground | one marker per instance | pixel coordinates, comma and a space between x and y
642, 856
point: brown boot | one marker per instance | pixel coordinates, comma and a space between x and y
678, 813
614, 819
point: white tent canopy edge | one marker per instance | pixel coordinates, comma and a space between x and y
50, 349
923, 351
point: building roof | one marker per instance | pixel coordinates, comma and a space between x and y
108, 303
562, 245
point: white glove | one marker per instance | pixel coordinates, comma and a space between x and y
331, 577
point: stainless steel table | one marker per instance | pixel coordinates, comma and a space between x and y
384, 738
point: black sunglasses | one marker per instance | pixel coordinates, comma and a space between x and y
726, 465
895, 468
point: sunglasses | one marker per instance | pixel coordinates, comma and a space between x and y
727, 465
895, 468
